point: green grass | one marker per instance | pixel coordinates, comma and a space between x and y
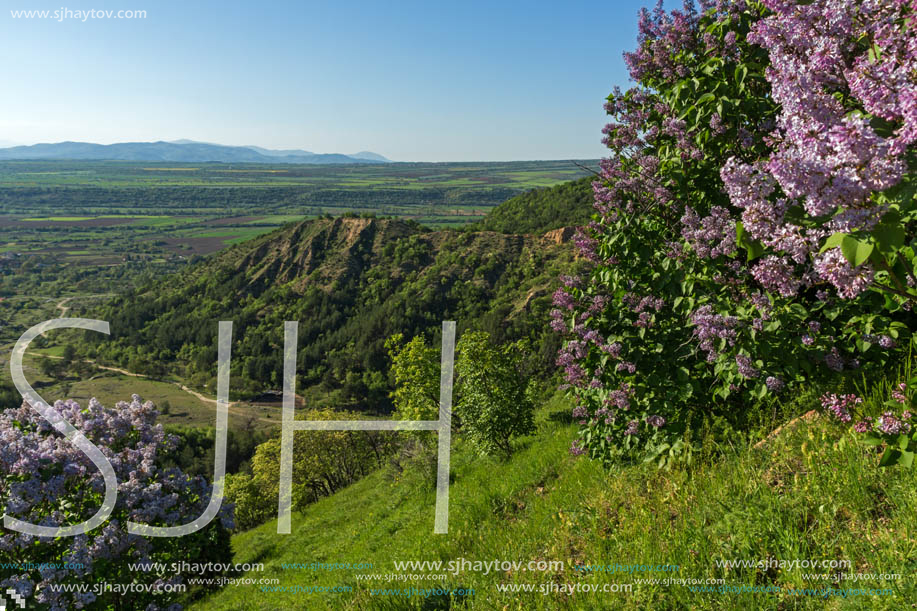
61, 218
90, 218
805, 495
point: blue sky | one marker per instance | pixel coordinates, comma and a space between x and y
415, 81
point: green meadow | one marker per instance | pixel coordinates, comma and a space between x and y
811, 492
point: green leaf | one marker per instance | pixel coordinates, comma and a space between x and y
871, 439
861, 254
754, 247
888, 236
907, 459
740, 73
891, 457
705, 98
855, 251
833, 241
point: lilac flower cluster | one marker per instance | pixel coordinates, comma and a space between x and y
899, 393
711, 236
840, 405
824, 158
890, 425
49, 481
746, 369
834, 360
774, 384
850, 281
709, 327
777, 274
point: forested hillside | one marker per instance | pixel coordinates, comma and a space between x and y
539, 210
351, 283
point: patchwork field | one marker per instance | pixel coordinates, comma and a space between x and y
110, 213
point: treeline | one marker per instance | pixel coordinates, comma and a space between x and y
46, 274
170, 200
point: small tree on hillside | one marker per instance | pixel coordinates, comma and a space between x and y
491, 398
493, 404
415, 367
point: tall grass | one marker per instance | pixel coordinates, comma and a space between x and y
812, 492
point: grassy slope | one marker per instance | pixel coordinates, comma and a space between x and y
801, 496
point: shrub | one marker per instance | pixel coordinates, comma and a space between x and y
755, 191
46, 480
251, 508
493, 403
323, 463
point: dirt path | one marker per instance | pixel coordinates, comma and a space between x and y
63, 308
235, 407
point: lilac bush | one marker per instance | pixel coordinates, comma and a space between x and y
752, 227
892, 429
46, 480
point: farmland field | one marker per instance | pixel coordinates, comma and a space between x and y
95, 213
117, 221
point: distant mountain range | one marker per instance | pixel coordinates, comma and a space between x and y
180, 151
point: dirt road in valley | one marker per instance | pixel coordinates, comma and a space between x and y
236, 408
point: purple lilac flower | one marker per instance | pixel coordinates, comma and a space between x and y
626, 366
890, 425
840, 405
887, 342
745, 367
774, 384
834, 360
777, 274
710, 326
862, 426
899, 393
849, 281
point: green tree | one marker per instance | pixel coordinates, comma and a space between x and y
48, 367
415, 367
251, 508
492, 407
68, 355
493, 404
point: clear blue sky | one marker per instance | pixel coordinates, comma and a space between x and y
414, 81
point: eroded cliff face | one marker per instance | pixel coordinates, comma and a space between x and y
325, 252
